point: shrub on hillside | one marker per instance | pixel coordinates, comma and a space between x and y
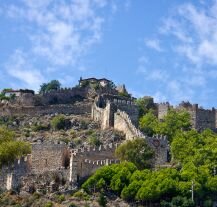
60, 122
94, 141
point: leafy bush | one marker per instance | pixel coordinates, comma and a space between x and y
81, 195
48, 204
72, 205
72, 133
61, 198
77, 141
136, 151
58, 122
84, 124
11, 149
94, 140
40, 127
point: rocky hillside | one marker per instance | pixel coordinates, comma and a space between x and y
76, 131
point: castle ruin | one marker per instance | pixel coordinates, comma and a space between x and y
105, 104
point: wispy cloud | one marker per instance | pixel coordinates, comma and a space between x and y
59, 33
190, 33
195, 29
63, 31
153, 44
19, 68
154, 74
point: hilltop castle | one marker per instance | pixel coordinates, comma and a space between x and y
110, 106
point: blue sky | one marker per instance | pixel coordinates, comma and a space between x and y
162, 48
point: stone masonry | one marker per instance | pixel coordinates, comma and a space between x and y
200, 118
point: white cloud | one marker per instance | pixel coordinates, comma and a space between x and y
159, 97
190, 33
195, 30
153, 74
22, 70
61, 31
153, 44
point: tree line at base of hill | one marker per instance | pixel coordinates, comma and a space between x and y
193, 161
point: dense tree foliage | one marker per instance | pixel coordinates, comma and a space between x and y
136, 151
149, 124
173, 122
194, 160
52, 85
154, 186
9, 148
144, 104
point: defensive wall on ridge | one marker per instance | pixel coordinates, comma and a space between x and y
158, 143
110, 110
200, 118
121, 121
80, 108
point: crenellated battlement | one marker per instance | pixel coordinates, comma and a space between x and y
102, 162
95, 149
135, 131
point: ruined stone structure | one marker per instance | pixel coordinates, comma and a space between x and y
121, 121
99, 99
78, 108
73, 164
10, 176
85, 161
49, 157
200, 118
163, 109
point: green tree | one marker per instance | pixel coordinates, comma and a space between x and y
136, 151
52, 85
11, 149
144, 105
149, 123
173, 122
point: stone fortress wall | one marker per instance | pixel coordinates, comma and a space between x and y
200, 118
80, 108
163, 109
48, 157
10, 175
121, 121
80, 163
86, 161
109, 109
